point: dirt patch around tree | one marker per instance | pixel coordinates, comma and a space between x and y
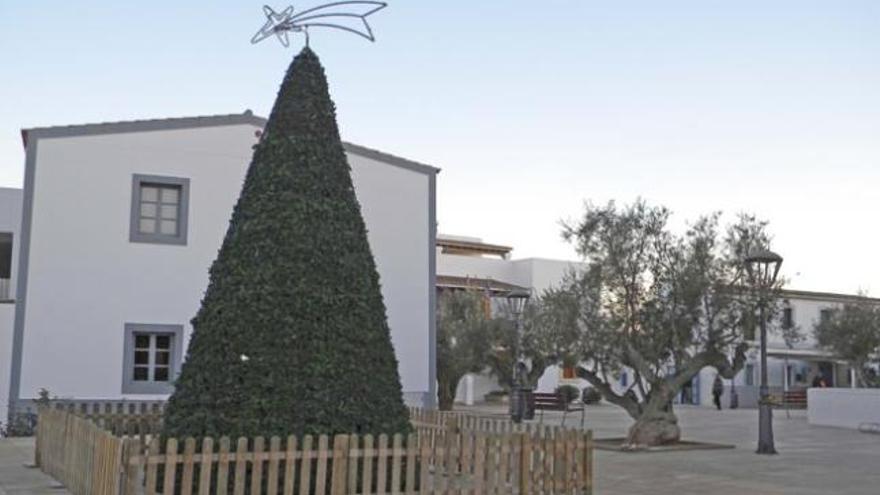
615, 444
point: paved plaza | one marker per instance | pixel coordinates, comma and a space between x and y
17, 474
812, 460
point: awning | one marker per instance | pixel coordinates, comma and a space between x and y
475, 283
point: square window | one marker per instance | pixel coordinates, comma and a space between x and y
159, 209
152, 358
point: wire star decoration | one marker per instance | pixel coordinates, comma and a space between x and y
350, 16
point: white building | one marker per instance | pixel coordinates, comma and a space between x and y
10, 220
468, 262
792, 367
121, 222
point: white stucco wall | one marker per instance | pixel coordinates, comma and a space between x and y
536, 273
10, 222
86, 280
7, 314
843, 407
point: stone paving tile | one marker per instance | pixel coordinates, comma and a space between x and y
17, 474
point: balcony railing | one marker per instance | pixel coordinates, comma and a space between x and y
4, 289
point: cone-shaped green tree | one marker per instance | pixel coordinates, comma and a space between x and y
292, 337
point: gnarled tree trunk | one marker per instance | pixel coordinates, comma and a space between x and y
446, 387
653, 427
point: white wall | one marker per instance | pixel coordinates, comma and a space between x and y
7, 314
843, 407
10, 222
535, 273
394, 203
86, 279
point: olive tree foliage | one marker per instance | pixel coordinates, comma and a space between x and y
660, 304
464, 336
545, 339
852, 332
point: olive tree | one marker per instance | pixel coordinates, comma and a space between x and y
852, 332
464, 333
660, 304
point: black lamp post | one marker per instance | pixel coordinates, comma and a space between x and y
517, 300
763, 267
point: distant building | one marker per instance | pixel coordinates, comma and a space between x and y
468, 262
120, 223
10, 230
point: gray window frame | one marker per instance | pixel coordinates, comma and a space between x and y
135, 235
129, 385
787, 317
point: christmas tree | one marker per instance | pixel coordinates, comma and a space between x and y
291, 336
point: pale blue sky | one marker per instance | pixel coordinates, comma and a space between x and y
530, 108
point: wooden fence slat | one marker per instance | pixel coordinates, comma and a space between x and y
152, 467
503, 464
189, 452
290, 465
339, 467
275, 455
305, 471
424, 464
132, 447
479, 464
241, 452
525, 463
205, 466
368, 455
396, 467
588, 460
223, 466
257, 465
382, 464
411, 452
353, 455
170, 465
321, 471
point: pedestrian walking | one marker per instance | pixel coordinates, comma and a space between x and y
717, 391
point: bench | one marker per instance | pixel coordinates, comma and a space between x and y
790, 399
538, 401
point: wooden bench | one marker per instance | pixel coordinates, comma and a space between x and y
554, 402
791, 399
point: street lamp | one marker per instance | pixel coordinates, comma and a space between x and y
762, 267
517, 300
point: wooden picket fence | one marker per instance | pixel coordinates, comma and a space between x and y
448, 453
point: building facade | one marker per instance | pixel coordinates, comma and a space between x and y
120, 224
10, 223
467, 262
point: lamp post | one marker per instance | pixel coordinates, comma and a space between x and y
517, 300
763, 267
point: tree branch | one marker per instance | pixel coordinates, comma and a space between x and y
631, 406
